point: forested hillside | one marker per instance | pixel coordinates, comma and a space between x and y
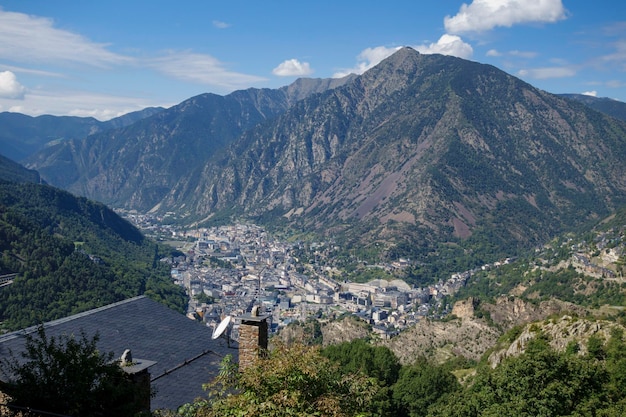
69, 255
12, 171
585, 268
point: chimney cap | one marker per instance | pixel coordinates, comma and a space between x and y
256, 319
137, 366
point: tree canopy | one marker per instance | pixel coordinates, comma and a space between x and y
292, 381
67, 375
69, 255
544, 382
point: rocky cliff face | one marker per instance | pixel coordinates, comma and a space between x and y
509, 311
327, 333
468, 336
438, 341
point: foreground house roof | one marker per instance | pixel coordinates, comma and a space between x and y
185, 354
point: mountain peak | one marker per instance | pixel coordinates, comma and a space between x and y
405, 51
392, 74
405, 56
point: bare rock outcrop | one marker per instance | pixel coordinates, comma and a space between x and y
559, 333
464, 309
345, 330
328, 333
441, 340
509, 311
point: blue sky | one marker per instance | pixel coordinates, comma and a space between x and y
104, 59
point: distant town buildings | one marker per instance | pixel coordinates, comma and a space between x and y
229, 269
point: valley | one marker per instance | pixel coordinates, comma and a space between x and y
426, 157
227, 270
192, 224
391, 194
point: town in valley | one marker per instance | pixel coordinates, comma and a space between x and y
228, 270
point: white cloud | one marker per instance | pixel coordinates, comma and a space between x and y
615, 83
482, 15
591, 93
78, 103
221, 25
25, 38
202, 69
367, 59
292, 67
370, 57
515, 53
619, 56
448, 45
10, 87
31, 71
523, 54
548, 72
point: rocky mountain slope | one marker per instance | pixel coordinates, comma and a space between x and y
560, 332
605, 105
421, 148
467, 335
328, 332
137, 165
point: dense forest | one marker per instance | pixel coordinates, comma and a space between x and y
69, 255
360, 379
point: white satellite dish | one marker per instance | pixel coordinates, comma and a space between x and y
221, 327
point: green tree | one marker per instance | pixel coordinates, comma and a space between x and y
291, 381
360, 356
616, 365
421, 386
69, 376
595, 347
538, 383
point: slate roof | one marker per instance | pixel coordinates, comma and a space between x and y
185, 354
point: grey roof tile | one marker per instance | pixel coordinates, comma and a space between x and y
185, 354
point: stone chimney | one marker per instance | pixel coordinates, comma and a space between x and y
253, 335
137, 371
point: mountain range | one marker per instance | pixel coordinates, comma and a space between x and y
420, 154
24, 135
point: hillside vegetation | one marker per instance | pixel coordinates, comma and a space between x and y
69, 255
586, 268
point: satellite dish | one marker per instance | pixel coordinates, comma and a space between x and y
221, 327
